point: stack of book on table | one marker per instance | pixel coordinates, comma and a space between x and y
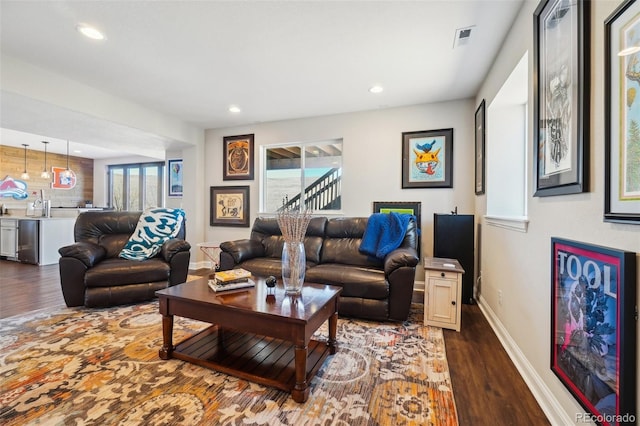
231, 279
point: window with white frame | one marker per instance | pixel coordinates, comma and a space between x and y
302, 174
136, 187
506, 152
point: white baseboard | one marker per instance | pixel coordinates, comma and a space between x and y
418, 292
203, 264
549, 404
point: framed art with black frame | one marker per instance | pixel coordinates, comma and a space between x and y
561, 97
427, 159
593, 328
622, 115
407, 207
229, 206
175, 177
480, 135
238, 157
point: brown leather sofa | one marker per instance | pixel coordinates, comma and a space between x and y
92, 274
371, 288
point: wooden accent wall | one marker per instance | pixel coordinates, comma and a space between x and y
12, 164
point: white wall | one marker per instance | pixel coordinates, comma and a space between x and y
372, 160
518, 264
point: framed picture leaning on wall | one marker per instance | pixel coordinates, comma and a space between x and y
593, 328
561, 97
622, 114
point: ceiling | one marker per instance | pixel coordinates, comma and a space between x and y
276, 60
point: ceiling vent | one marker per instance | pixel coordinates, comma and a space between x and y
463, 36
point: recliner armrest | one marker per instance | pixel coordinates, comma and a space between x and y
173, 247
404, 256
87, 253
242, 250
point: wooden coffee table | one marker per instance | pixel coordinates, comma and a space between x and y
258, 334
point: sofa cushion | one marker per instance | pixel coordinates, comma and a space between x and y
346, 251
355, 281
265, 266
267, 232
154, 228
117, 271
113, 243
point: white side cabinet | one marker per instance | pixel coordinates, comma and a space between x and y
443, 292
9, 238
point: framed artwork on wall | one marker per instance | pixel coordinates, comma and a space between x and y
561, 97
622, 114
175, 177
238, 157
593, 327
427, 159
229, 206
480, 135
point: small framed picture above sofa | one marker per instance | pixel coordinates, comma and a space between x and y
407, 207
229, 206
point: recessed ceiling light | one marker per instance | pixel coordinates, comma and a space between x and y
90, 32
234, 109
376, 89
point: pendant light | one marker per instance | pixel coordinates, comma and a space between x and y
45, 173
67, 173
24, 174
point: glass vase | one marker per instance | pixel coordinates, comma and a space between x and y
293, 267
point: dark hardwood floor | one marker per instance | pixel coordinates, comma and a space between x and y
487, 387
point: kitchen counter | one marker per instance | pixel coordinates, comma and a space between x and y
52, 233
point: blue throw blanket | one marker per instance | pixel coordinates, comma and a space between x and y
384, 233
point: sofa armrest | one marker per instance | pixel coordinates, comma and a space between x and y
172, 247
87, 253
401, 257
241, 250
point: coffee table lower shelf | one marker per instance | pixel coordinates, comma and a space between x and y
256, 358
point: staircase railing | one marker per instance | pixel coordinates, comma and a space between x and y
321, 194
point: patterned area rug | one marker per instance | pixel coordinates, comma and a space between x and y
101, 367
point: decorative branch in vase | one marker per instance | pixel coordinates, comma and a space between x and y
293, 226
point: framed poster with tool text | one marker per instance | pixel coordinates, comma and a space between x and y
593, 328
238, 158
622, 115
561, 97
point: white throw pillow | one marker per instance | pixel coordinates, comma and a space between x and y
154, 228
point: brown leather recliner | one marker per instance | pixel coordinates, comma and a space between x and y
92, 274
377, 289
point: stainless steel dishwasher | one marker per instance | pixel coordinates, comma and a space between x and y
28, 241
